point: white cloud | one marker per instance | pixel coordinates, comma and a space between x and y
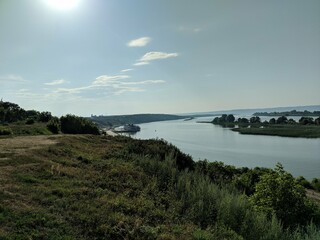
11, 78
106, 80
73, 90
140, 63
55, 82
140, 42
151, 56
144, 82
121, 90
127, 70
106, 84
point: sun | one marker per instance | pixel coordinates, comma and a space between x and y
62, 4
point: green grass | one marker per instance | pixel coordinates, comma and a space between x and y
32, 129
94, 187
304, 131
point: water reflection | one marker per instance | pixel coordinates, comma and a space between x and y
207, 141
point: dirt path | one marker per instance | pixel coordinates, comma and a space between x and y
313, 195
21, 144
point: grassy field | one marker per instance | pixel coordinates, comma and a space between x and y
22, 129
304, 131
103, 187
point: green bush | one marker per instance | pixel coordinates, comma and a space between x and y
5, 131
54, 125
77, 125
30, 121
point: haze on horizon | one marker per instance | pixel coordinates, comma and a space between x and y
119, 57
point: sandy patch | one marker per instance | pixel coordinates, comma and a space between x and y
21, 144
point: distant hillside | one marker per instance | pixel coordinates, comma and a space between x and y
288, 113
310, 108
109, 121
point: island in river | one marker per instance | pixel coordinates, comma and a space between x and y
306, 127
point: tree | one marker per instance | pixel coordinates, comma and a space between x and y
279, 193
255, 119
243, 120
282, 120
77, 125
230, 118
223, 118
215, 120
306, 120
291, 121
272, 121
54, 125
44, 116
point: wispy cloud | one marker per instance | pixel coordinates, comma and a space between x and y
140, 63
11, 78
73, 90
105, 79
140, 42
107, 84
144, 82
121, 89
127, 70
151, 56
55, 82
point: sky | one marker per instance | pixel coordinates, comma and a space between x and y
107, 57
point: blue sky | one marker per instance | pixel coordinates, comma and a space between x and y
142, 56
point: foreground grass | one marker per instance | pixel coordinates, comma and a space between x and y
93, 187
22, 129
305, 131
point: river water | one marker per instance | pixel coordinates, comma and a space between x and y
299, 156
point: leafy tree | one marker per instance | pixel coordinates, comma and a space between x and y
279, 193
306, 120
11, 112
282, 120
44, 116
32, 114
316, 184
291, 121
77, 125
272, 121
255, 119
243, 120
54, 125
230, 118
223, 118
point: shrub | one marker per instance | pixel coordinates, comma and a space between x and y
54, 125
30, 121
77, 125
5, 131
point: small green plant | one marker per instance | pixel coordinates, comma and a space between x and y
30, 121
54, 125
5, 131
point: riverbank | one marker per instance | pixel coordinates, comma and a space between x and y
281, 130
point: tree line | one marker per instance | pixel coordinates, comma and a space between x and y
289, 113
225, 119
12, 113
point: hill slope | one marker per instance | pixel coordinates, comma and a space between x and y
93, 187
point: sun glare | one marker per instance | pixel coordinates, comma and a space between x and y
63, 4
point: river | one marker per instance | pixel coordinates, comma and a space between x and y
299, 156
